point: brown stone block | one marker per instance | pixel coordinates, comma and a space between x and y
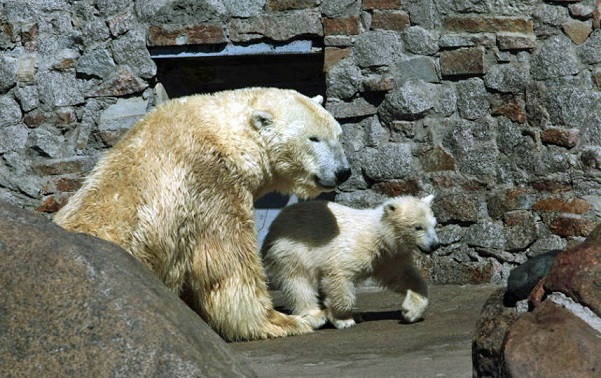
508, 106
381, 4
169, 35
51, 205
468, 61
559, 205
456, 207
571, 227
284, 5
396, 20
340, 26
333, 55
488, 24
578, 31
508, 200
66, 184
378, 83
437, 159
398, 188
552, 186
560, 137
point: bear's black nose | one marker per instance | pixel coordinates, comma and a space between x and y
342, 175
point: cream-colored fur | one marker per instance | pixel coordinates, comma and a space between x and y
319, 248
177, 192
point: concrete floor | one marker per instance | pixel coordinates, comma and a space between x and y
380, 346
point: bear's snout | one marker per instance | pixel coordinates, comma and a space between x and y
342, 174
430, 247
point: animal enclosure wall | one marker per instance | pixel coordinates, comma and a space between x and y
493, 106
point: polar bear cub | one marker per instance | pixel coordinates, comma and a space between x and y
320, 249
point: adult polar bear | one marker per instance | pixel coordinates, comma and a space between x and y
177, 192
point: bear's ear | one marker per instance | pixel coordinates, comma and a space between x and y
318, 100
260, 119
428, 200
390, 208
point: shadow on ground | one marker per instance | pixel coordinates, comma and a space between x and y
381, 345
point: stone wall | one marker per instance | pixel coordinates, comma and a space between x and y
494, 106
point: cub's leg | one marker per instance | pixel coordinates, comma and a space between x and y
301, 293
402, 277
339, 301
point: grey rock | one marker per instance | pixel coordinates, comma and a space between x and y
90, 301
340, 8
59, 89
446, 102
548, 18
27, 97
554, 58
13, 138
511, 78
418, 68
358, 107
98, 63
344, 80
8, 73
276, 26
360, 199
377, 48
545, 243
472, 100
454, 41
571, 106
590, 51
456, 208
48, 141
450, 234
591, 133
130, 49
123, 114
410, 101
10, 112
391, 161
112, 7
485, 234
420, 41
520, 230
181, 12
424, 13
244, 8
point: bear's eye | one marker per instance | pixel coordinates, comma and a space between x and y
314, 139
419, 228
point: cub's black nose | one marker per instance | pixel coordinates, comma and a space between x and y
342, 175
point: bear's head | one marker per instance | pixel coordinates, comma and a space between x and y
409, 220
302, 142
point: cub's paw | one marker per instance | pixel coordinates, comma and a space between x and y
343, 323
315, 318
413, 306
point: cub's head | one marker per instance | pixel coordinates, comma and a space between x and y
409, 219
302, 139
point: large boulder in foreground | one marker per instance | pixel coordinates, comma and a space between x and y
75, 305
560, 335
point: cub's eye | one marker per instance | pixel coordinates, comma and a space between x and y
314, 139
419, 228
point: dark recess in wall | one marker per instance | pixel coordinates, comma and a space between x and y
186, 76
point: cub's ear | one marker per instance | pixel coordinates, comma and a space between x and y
428, 200
318, 100
260, 119
390, 208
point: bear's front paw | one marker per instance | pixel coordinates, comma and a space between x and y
343, 323
413, 306
315, 318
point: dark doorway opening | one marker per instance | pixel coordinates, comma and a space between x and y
186, 76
